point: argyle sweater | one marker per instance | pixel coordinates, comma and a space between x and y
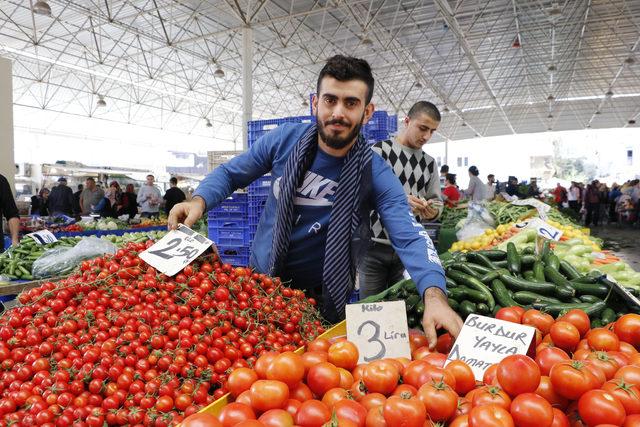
418, 174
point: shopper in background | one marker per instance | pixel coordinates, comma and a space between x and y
512, 187
592, 203
61, 199
9, 209
90, 196
108, 206
173, 196
614, 196
444, 170
533, 191
450, 194
573, 196
559, 194
491, 187
40, 203
129, 204
149, 198
76, 200
418, 174
477, 190
325, 180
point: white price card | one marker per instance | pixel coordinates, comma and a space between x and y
175, 250
43, 237
542, 208
379, 330
621, 290
545, 229
484, 341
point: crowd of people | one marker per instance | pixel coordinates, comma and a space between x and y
110, 202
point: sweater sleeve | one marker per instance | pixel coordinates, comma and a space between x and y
433, 192
7, 203
408, 238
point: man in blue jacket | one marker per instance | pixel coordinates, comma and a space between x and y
325, 180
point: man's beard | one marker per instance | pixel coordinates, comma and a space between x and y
337, 142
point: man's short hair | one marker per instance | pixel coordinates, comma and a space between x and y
345, 68
425, 107
151, 176
174, 180
451, 177
80, 187
444, 169
91, 179
490, 176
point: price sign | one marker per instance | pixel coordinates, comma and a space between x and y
545, 230
542, 208
176, 250
43, 237
379, 330
484, 341
622, 291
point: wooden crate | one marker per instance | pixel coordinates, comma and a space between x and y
216, 158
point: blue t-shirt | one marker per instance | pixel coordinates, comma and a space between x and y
312, 209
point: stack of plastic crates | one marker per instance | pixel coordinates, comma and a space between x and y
229, 229
377, 129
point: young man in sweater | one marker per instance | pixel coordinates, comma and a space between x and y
418, 174
325, 182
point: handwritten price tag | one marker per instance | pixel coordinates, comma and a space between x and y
379, 330
484, 341
542, 208
43, 237
176, 250
543, 228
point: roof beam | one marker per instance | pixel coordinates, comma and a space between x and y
452, 22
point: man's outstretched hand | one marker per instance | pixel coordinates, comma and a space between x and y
186, 212
438, 314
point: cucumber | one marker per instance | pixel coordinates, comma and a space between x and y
529, 250
481, 270
526, 285
453, 304
546, 250
419, 309
464, 267
503, 263
502, 294
608, 316
475, 296
480, 259
528, 259
569, 271
589, 298
528, 275
553, 261
466, 308
450, 283
412, 301
482, 308
538, 271
596, 289
527, 297
490, 276
457, 294
513, 259
473, 283
493, 254
564, 289
555, 309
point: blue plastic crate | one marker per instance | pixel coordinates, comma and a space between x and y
229, 235
379, 121
392, 123
232, 207
234, 255
260, 187
257, 128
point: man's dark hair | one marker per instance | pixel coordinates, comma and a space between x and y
91, 179
80, 187
425, 107
150, 175
345, 68
451, 177
174, 180
474, 171
490, 176
444, 169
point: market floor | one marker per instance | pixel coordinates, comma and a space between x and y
623, 240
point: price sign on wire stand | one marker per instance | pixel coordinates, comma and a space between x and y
484, 341
43, 237
544, 229
622, 291
176, 250
379, 330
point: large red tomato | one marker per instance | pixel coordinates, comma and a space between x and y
548, 357
579, 319
350, 410
559, 419
510, 314
518, 374
491, 395
603, 339
539, 320
276, 418
343, 354
606, 363
571, 379
546, 390
240, 380
399, 411
632, 421
627, 394
381, 377
439, 400
490, 416
531, 410
465, 380
565, 335
627, 328
287, 367
600, 407
201, 420
323, 377
268, 394
420, 372
234, 413
312, 413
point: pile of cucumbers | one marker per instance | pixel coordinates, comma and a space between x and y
17, 261
484, 281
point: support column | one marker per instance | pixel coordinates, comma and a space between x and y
446, 151
7, 163
247, 83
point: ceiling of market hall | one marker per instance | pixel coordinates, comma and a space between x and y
494, 67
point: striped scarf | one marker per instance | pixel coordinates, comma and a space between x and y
338, 274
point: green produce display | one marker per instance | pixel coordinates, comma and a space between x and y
452, 216
482, 282
505, 213
17, 261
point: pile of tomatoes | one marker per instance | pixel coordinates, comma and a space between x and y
117, 343
579, 377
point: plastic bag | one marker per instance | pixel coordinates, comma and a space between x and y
478, 220
59, 261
